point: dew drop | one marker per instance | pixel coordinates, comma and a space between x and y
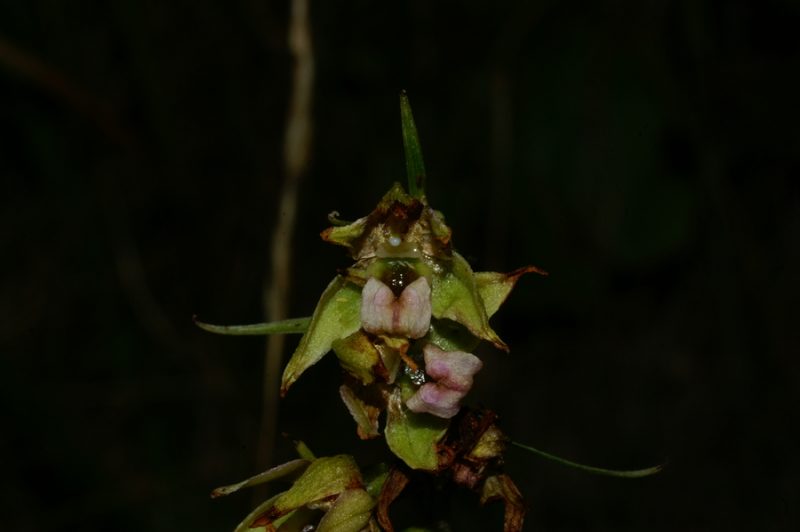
416, 376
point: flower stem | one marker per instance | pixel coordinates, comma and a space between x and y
635, 473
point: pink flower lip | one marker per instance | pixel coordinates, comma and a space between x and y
408, 315
434, 399
453, 371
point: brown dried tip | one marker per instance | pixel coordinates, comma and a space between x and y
393, 486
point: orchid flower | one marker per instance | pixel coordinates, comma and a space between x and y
403, 321
453, 372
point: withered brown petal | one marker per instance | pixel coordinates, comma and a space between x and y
501, 487
364, 413
392, 488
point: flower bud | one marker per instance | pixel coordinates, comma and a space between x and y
408, 315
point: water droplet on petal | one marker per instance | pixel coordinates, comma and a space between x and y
417, 376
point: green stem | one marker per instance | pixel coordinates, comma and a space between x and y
290, 326
415, 166
636, 473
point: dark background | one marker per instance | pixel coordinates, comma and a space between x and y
645, 153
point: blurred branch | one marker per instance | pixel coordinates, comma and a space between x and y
53, 82
128, 262
297, 148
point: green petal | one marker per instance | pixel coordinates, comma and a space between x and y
358, 356
337, 315
413, 437
494, 287
456, 297
324, 478
350, 512
415, 166
271, 474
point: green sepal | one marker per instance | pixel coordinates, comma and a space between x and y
283, 470
290, 326
412, 437
415, 166
455, 296
338, 314
346, 235
375, 477
324, 478
494, 287
350, 512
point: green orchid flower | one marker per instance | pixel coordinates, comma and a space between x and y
403, 321
327, 494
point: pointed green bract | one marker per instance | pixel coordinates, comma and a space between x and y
337, 315
456, 297
324, 478
413, 437
415, 167
303, 451
290, 326
276, 472
494, 287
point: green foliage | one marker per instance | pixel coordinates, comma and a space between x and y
336, 316
412, 437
